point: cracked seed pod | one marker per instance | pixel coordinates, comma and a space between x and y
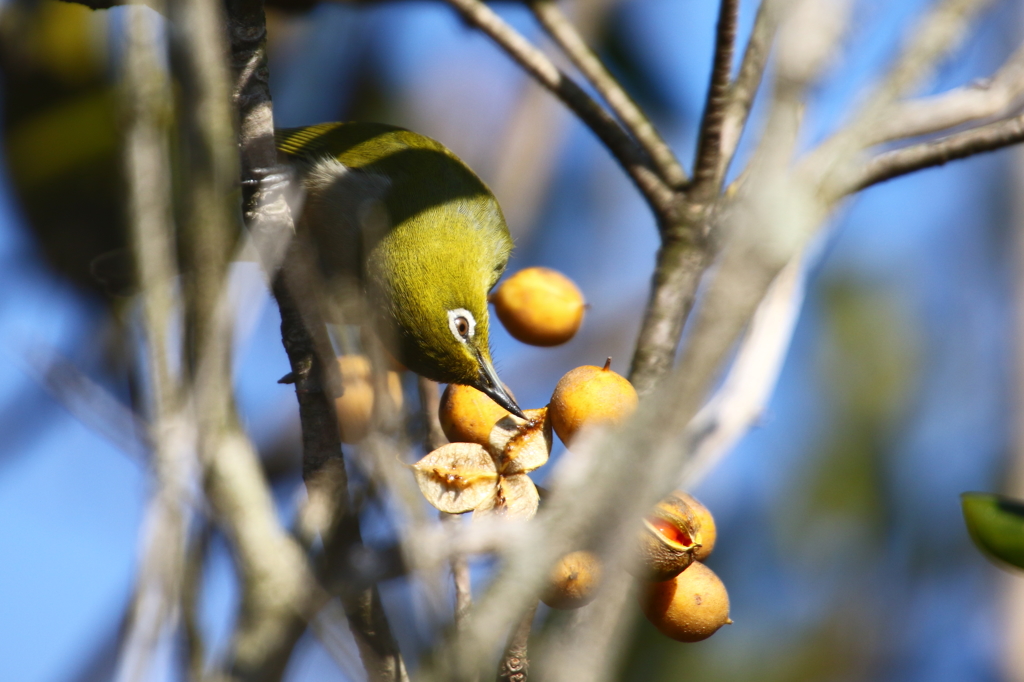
457, 478
705, 523
515, 498
354, 407
467, 415
688, 608
669, 540
574, 581
539, 306
521, 445
590, 395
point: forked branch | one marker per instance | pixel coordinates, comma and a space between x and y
537, 64
565, 35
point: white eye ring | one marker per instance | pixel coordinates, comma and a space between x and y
453, 324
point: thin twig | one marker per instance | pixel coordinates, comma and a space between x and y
145, 93
709, 140
939, 31
463, 589
537, 64
92, 404
565, 35
973, 102
435, 438
988, 138
515, 663
275, 577
429, 401
743, 90
460, 577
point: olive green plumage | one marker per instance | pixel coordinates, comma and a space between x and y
398, 217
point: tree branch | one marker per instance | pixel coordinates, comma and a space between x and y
275, 577
684, 255
536, 63
743, 90
515, 663
146, 102
304, 336
938, 31
565, 35
973, 102
709, 139
988, 138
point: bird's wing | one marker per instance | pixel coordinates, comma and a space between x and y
341, 208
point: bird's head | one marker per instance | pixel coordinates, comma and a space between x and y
429, 279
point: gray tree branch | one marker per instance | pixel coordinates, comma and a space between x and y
979, 100
537, 64
743, 90
146, 101
892, 164
567, 37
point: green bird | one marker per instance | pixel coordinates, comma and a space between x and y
397, 221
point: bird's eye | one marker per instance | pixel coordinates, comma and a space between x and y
462, 323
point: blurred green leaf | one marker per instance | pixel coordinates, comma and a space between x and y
996, 524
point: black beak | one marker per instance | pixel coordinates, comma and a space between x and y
489, 384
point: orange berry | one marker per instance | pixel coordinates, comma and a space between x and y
539, 306
590, 395
687, 608
574, 581
354, 408
467, 415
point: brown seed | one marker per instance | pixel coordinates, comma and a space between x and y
467, 415
687, 608
354, 408
588, 396
539, 306
574, 581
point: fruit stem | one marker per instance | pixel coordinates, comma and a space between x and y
608, 363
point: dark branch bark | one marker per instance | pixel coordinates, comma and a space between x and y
743, 90
681, 262
709, 141
889, 165
305, 341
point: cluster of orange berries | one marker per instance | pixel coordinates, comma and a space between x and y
678, 594
484, 468
681, 596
